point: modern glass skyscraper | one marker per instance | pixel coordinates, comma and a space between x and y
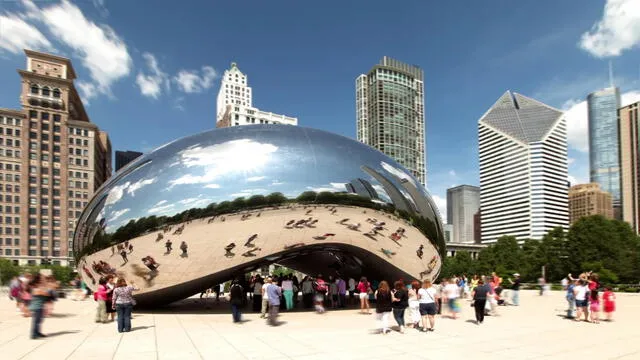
523, 169
463, 202
604, 143
390, 113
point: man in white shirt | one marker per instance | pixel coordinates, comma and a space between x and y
265, 299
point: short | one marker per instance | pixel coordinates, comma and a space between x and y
363, 295
582, 303
428, 309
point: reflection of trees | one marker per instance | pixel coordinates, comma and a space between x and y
141, 226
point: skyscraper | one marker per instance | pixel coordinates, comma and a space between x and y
604, 159
523, 169
629, 167
125, 157
52, 159
234, 104
390, 113
587, 200
463, 202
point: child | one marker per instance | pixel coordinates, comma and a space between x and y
594, 306
609, 299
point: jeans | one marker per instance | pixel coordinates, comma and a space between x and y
515, 297
571, 311
235, 312
273, 314
101, 311
288, 298
479, 307
398, 314
124, 316
36, 320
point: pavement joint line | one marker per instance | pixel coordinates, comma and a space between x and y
201, 318
95, 327
32, 350
155, 335
115, 352
188, 336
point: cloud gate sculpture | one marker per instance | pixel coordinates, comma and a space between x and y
210, 207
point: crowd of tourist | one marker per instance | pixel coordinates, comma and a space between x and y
584, 298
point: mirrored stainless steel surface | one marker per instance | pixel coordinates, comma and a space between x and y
206, 208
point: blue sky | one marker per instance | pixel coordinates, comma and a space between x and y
150, 73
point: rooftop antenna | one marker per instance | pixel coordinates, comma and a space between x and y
611, 73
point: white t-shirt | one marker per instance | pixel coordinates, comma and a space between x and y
352, 284
427, 296
264, 289
451, 290
287, 285
581, 292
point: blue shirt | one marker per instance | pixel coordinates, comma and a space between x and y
273, 294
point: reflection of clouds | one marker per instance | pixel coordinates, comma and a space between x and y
139, 184
332, 187
195, 201
249, 192
382, 193
212, 186
397, 172
160, 209
256, 178
222, 159
116, 214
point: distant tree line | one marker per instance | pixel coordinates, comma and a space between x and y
8, 270
609, 247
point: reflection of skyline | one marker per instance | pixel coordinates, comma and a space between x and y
363, 188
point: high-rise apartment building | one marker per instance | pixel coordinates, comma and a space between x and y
629, 166
52, 159
390, 113
234, 103
604, 150
587, 200
463, 202
523, 169
125, 157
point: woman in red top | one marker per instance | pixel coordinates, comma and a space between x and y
364, 287
609, 300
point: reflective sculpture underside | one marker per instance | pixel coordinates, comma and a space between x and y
204, 209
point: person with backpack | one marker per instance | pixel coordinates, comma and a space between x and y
236, 295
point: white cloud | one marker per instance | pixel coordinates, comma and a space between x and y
248, 156
99, 48
452, 173
276, 183
618, 30
116, 214
441, 204
397, 172
161, 202
151, 85
256, 178
212, 186
116, 194
162, 209
16, 35
577, 117
139, 184
192, 81
331, 187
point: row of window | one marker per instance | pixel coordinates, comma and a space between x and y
43, 116
43, 222
10, 153
43, 211
78, 152
10, 132
10, 121
44, 126
9, 242
10, 199
78, 142
45, 91
43, 147
16, 252
10, 209
43, 181
44, 243
78, 161
43, 170
9, 166
43, 232
78, 131
78, 174
9, 142
10, 231
10, 178
10, 220
43, 136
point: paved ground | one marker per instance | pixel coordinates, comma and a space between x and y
187, 331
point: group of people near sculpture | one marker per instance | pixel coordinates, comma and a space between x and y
584, 299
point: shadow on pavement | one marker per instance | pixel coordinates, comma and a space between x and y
58, 333
141, 327
54, 315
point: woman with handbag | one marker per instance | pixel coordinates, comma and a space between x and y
123, 302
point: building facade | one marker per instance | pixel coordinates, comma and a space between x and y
125, 157
52, 159
587, 200
234, 103
523, 169
604, 150
390, 113
463, 202
629, 167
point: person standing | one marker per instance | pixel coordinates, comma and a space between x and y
123, 303
414, 304
594, 306
571, 299
257, 293
384, 307
265, 298
515, 289
609, 300
307, 292
364, 287
400, 303
111, 313
40, 293
427, 296
581, 291
236, 295
321, 291
352, 290
479, 297
273, 295
101, 297
168, 246
342, 292
287, 290
184, 247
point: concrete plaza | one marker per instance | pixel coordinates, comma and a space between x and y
187, 330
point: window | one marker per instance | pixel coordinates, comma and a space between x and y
45, 137
56, 93
56, 117
56, 128
45, 126
44, 116
33, 114
32, 221
46, 91
35, 89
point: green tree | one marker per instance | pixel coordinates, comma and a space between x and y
8, 270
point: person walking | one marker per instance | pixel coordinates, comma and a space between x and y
400, 303
414, 304
427, 296
265, 298
352, 290
307, 292
479, 297
287, 290
364, 287
101, 297
273, 295
452, 291
184, 247
384, 306
257, 293
515, 289
236, 295
609, 300
342, 292
123, 303
40, 294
